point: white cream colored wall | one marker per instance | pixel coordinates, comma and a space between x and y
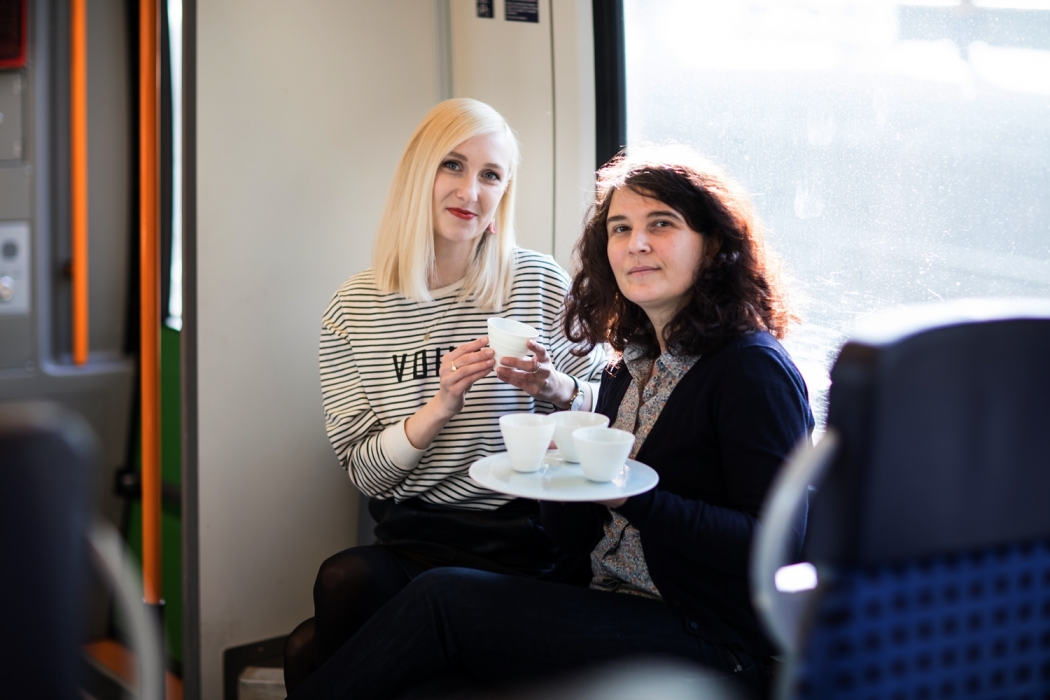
303, 110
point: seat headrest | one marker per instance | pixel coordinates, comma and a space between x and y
943, 412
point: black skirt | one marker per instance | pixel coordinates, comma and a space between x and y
508, 540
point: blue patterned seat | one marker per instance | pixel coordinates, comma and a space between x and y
971, 625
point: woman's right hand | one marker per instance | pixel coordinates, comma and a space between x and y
459, 370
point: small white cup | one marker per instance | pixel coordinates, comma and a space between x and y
602, 451
527, 437
568, 421
510, 338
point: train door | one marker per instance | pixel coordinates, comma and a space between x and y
64, 332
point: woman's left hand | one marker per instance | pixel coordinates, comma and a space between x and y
537, 377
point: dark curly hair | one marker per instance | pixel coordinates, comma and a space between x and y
735, 290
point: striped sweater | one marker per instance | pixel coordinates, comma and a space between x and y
377, 370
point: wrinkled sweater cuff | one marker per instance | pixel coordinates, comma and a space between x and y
398, 449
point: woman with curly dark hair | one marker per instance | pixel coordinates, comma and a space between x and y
673, 274
732, 290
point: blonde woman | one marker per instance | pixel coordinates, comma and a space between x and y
411, 392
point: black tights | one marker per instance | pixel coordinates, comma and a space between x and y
350, 587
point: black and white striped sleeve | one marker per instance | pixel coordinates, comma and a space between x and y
376, 460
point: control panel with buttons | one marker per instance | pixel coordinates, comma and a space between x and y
14, 268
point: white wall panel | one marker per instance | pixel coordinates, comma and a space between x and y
303, 109
574, 123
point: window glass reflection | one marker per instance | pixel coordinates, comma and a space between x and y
897, 152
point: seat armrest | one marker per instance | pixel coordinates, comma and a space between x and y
780, 611
109, 556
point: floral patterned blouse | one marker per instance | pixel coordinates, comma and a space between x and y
618, 563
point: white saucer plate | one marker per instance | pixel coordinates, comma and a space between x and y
558, 480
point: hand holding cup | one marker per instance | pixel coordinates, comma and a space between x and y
510, 338
512, 342
459, 370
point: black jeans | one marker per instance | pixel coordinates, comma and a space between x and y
503, 629
414, 536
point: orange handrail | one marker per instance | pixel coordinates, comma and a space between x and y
149, 292
79, 185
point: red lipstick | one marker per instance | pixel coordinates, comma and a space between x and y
462, 213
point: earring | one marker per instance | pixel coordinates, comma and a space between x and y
491, 228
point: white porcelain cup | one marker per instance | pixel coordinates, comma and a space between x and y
602, 451
527, 437
510, 338
568, 421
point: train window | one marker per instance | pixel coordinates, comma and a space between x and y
897, 152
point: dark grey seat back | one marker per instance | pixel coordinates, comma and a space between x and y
944, 439
46, 463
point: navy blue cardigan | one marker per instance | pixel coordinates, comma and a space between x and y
724, 432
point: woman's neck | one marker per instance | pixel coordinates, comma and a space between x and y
451, 262
658, 330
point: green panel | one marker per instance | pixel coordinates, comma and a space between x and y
171, 473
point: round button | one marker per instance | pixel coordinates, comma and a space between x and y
9, 250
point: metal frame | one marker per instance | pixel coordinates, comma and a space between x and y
191, 649
610, 80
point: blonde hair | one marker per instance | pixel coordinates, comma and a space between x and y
404, 253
